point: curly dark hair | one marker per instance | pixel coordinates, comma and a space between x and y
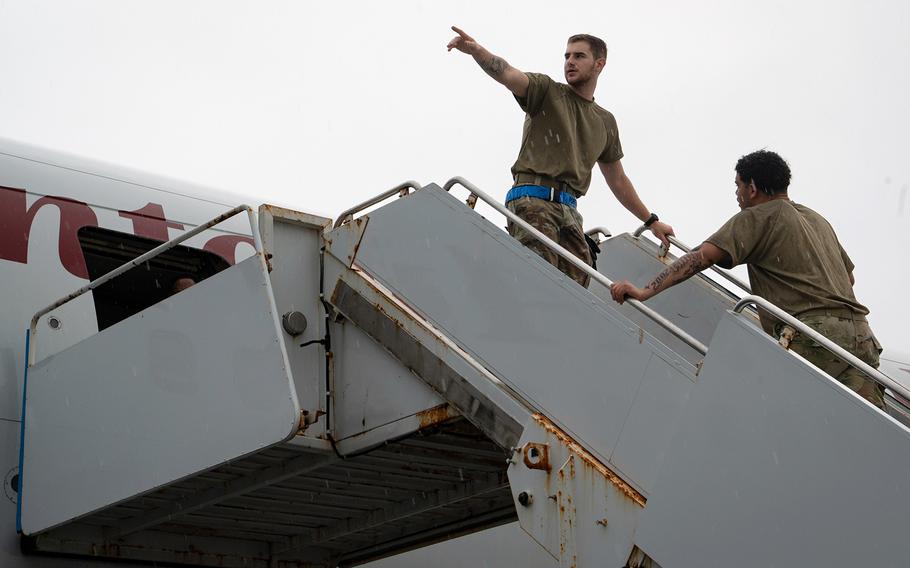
766, 169
597, 45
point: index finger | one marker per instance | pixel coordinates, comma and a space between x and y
459, 31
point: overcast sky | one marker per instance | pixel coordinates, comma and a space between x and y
321, 105
318, 106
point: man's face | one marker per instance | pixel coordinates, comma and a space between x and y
580, 66
743, 192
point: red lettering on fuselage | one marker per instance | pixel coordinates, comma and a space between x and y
225, 246
16, 223
149, 222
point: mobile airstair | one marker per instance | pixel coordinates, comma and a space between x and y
412, 374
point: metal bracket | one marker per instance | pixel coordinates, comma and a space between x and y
536, 456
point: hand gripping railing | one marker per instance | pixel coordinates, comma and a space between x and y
401, 190
254, 224
726, 274
576, 262
834, 348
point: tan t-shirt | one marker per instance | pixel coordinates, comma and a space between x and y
564, 135
794, 257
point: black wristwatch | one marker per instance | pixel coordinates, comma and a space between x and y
651, 219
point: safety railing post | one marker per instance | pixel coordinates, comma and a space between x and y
401, 190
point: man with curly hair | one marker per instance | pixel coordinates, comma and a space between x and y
565, 134
794, 260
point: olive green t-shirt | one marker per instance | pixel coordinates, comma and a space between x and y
564, 135
794, 257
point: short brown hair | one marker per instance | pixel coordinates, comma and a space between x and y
597, 45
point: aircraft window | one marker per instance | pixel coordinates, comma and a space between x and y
145, 285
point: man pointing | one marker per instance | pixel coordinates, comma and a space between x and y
565, 134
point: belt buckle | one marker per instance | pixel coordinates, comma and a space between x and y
553, 194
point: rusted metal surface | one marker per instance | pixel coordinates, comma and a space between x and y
308, 418
344, 242
589, 460
536, 456
299, 217
565, 498
436, 415
486, 401
360, 226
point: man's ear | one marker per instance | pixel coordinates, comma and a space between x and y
753, 190
599, 64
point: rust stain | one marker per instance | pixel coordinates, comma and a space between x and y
590, 460
433, 416
306, 419
537, 456
359, 226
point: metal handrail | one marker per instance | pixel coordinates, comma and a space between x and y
257, 243
599, 230
576, 262
834, 348
726, 274
641, 229
401, 189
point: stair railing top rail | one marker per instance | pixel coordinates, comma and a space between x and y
602, 231
401, 190
841, 353
257, 243
726, 274
575, 261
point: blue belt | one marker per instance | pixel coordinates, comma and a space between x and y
541, 192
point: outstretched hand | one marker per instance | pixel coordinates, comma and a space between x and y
462, 42
661, 230
621, 291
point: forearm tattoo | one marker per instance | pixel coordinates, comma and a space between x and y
495, 66
684, 267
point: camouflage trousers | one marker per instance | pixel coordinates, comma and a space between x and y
850, 331
561, 223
